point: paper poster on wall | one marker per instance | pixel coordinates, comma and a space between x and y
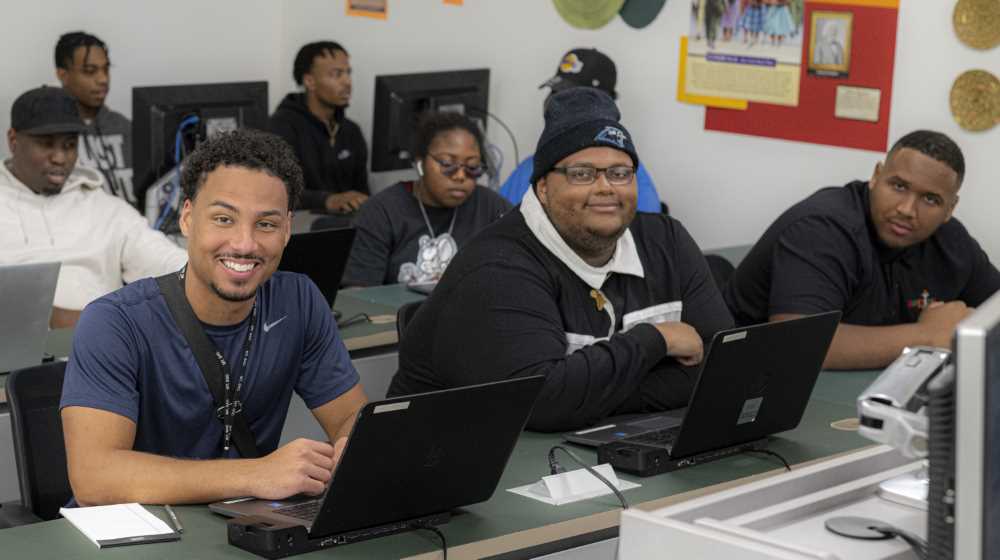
863, 119
860, 104
377, 9
830, 43
686, 97
745, 49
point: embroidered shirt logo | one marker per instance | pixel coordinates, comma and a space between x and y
920, 303
269, 326
612, 135
571, 64
344, 154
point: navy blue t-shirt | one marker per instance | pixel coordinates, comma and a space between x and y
130, 358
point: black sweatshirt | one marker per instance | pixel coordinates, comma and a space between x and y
328, 168
508, 307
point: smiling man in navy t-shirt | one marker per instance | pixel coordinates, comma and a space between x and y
138, 417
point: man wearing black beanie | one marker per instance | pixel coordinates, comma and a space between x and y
613, 307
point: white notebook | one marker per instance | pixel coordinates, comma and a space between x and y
119, 525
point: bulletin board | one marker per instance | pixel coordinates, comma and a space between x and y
872, 54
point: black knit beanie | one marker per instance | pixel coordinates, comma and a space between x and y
575, 119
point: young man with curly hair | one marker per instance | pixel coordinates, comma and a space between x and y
139, 422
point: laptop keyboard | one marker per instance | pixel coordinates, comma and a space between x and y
305, 511
662, 438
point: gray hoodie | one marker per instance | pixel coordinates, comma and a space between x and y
107, 147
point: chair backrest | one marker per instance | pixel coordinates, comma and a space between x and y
39, 450
403, 316
721, 269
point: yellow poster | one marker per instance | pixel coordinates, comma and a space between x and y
745, 49
684, 96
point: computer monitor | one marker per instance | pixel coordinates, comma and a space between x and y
171, 119
401, 98
964, 497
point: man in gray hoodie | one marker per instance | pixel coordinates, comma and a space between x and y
84, 69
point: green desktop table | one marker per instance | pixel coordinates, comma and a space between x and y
507, 522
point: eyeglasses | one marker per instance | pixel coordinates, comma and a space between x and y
617, 175
449, 168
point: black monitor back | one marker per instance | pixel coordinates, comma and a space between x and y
401, 98
157, 113
322, 256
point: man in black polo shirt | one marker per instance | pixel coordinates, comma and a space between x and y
329, 146
613, 307
886, 252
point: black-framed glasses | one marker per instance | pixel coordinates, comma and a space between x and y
450, 168
617, 175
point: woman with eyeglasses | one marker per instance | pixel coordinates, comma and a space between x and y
409, 232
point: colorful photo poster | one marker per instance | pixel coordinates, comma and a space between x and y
746, 49
830, 43
377, 9
851, 110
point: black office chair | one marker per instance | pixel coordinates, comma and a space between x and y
721, 269
39, 450
403, 316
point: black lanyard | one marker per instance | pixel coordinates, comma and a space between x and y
232, 405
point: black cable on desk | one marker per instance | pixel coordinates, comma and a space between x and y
556, 468
772, 453
436, 531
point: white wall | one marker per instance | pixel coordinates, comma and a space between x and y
151, 43
726, 188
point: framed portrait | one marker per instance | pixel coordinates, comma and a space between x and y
830, 43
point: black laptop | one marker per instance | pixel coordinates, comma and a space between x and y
754, 381
322, 256
409, 461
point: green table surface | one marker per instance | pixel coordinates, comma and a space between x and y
507, 518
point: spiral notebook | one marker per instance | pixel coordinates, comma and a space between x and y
119, 525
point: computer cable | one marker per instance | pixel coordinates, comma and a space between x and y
864, 528
556, 468
167, 210
356, 318
436, 531
773, 454
513, 141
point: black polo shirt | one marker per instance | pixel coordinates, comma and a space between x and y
508, 307
824, 254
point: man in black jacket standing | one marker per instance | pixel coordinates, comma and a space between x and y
329, 146
613, 307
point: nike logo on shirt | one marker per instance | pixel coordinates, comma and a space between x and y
269, 326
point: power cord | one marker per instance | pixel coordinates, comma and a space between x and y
436, 531
773, 454
556, 468
356, 318
513, 141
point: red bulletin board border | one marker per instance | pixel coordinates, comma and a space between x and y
873, 50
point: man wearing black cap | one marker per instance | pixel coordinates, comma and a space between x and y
581, 68
613, 307
55, 211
